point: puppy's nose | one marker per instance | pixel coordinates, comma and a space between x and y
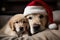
21, 29
36, 26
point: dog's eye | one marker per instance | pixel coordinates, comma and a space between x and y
41, 16
16, 21
24, 22
30, 18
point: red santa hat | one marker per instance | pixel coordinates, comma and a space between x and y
38, 6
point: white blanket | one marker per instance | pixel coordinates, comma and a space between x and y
45, 35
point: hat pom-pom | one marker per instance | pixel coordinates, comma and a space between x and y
53, 26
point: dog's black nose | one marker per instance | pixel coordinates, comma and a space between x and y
36, 26
21, 29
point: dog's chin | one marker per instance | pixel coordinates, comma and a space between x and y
37, 30
20, 33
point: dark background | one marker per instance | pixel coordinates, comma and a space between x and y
17, 6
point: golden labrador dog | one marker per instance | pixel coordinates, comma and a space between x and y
16, 26
37, 22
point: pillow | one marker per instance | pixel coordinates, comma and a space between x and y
4, 19
56, 16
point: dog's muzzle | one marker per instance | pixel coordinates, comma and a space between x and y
21, 29
36, 28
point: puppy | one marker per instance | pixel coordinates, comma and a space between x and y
16, 26
37, 22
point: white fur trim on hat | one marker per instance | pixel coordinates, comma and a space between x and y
34, 9
53, 26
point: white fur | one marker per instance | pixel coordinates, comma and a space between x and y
31, 28
17, 27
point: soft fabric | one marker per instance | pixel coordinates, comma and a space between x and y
56, 15
44, 35
53, 26
48, 35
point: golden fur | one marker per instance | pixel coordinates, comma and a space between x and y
35, 19
12, 28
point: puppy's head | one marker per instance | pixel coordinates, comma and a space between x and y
37, 22
18, 23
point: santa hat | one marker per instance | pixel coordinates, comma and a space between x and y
38, 6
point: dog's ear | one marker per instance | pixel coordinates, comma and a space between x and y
11, 25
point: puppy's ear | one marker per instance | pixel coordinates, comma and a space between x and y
28, 28
11, 25
27, 25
